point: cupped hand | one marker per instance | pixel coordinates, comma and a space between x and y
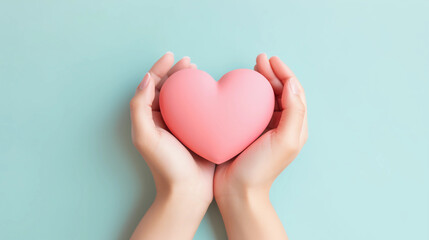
256, 168
174, 167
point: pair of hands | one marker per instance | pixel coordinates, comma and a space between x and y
184, 178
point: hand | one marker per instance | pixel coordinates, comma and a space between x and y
184, 181
241, 186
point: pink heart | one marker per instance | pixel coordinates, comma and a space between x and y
216, 120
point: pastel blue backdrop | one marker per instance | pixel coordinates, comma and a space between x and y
68, 169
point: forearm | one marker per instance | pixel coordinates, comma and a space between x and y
171, 216
250, 216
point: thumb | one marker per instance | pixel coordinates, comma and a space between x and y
291, 121
143, 127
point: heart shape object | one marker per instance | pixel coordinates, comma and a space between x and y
216, 120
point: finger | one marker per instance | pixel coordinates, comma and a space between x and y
155, 103
161, 67
193, 65
281, 70
159, 121
264, 68
143, 127
284, 73
304, 131
288, 131
183, 63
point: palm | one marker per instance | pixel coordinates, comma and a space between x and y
250, 167
180, 164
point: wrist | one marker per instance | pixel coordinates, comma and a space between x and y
249, 214
242, 196
173, 215
185, 195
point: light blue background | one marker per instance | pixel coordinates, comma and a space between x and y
68, 69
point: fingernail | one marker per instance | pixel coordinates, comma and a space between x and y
293, 85
187, 58
145, 81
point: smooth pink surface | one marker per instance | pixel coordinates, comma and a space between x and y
216, 120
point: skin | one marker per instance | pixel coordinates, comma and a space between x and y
186, 183
242, 186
